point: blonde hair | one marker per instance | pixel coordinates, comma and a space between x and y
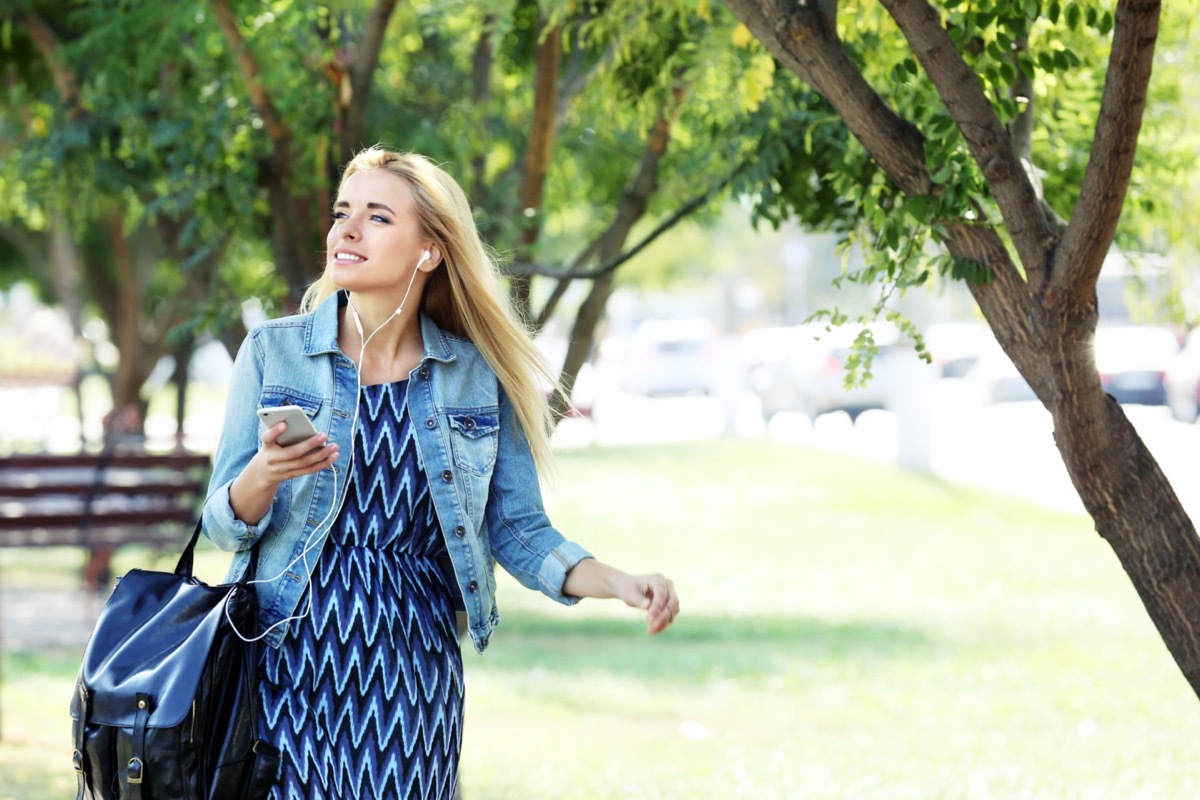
465, 296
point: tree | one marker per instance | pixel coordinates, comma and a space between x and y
959, 167
225, 123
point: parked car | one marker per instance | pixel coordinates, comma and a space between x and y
1182, 380
956, 346
674, 356
811, 377
997, 377
1133, 361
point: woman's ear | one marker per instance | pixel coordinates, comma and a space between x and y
435, 259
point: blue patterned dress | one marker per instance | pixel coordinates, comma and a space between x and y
364, 698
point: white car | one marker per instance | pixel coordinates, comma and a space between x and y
1133, 360
811, 377
672, 356
1182, 380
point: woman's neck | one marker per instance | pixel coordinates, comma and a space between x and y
393, 342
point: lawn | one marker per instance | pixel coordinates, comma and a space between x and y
848, 631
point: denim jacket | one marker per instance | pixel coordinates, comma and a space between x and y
481, 472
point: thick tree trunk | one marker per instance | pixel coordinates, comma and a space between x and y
1045, 320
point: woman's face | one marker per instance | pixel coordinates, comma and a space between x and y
374, 242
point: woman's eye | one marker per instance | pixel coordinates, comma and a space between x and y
380, 218
338, 215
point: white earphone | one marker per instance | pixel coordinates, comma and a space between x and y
310, 542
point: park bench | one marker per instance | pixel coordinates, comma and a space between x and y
100, 501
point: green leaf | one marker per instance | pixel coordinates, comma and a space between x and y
1054, 12
1073, 17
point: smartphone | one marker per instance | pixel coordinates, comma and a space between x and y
299, 426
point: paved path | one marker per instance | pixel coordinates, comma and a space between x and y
36, 619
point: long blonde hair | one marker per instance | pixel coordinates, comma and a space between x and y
465, 295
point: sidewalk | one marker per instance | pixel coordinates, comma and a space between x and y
36, 619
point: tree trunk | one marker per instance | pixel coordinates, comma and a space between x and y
181, 378
631, 208
537, 159
68, 286
1045, 320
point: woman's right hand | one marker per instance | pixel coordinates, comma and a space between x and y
276, 463
253, 490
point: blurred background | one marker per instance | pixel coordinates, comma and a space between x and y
890, 588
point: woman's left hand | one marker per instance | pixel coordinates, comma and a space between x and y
654, 593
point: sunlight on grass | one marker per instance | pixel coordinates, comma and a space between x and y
848, 631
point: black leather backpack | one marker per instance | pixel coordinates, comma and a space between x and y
166, 704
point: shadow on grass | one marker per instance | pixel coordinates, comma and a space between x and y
698, 646
695, 647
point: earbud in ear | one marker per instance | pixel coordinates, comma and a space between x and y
426, 256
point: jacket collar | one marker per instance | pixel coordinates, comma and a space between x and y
321, 331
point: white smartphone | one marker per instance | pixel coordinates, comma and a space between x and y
299, 426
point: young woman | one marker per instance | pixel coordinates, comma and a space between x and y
432, 432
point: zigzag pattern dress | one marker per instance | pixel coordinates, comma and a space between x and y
364, 698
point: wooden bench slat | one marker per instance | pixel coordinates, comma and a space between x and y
37, 488
104, 537
98, 520
91, 460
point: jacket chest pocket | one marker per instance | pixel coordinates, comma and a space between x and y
273, 397
473, 440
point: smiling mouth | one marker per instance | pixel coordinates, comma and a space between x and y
350, 258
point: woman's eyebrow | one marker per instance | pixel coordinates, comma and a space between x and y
346, 204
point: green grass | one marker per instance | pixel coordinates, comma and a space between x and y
848, 631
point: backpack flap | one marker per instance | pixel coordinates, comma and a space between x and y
153, 638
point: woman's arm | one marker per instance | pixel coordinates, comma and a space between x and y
254, 489
653, 593
247, 469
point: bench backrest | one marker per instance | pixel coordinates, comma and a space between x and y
98, 498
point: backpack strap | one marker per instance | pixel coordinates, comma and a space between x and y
136, 772
80, 725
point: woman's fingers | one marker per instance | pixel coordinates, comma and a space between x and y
664, 603
303, 458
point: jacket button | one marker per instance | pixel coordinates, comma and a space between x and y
473, 587
431, 423
469, 424
447, 475
460, 531
425, 373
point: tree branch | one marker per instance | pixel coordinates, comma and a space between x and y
481, 95
1021, 129
259, 97
989, 142
49, 45
802, 38
1106, 180
362, 75
679, 215
538, 152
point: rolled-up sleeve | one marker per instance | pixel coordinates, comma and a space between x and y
238, 444
520, 534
